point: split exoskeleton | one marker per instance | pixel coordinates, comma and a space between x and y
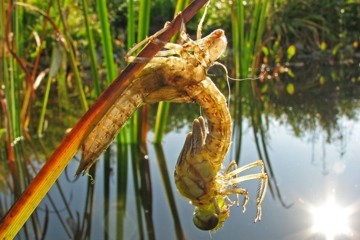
179, 74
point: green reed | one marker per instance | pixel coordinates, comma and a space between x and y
247, 35
163, 107
106, 41
130, 43
130, 24
17, 71
142, 33
13, 76
72, 57
11, 72
107, 45
56, 60
248, 23
91, 48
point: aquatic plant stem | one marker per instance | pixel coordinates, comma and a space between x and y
125, 131
161, 118
108, 53
130, 24
246, 46
73, 61
49, 173
43, 109
90, 38
106, 41
11, 81
143, 30
164, 107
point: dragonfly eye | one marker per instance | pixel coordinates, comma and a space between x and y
205, 220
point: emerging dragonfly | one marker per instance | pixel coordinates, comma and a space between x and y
179, 74
198, 176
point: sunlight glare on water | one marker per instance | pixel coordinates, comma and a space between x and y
331, 219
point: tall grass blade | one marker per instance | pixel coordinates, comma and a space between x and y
56, 59
237, 30
43, 109
163, 107
106, 41
91, 47
107, 44
73, 61
144, 19
161, 119
12, 80
143, 31
247, 37
17, 70
130, 24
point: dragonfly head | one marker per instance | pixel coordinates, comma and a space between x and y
217, 43
205, 220
211, 217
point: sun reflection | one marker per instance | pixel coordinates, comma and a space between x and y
331, 220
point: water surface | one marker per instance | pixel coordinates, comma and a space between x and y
312, 142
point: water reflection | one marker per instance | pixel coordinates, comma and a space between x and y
309, 142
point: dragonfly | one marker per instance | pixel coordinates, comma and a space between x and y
178, 73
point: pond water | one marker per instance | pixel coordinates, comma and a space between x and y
313, 161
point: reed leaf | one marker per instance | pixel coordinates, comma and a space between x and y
163, 107
56, 59
161, 119
144, 19
12, 73
106, 41
91, 47
18, 71
72, 59
247, 37
130, 24
143, 31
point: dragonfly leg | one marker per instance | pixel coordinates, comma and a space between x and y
232, 178
238, 191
